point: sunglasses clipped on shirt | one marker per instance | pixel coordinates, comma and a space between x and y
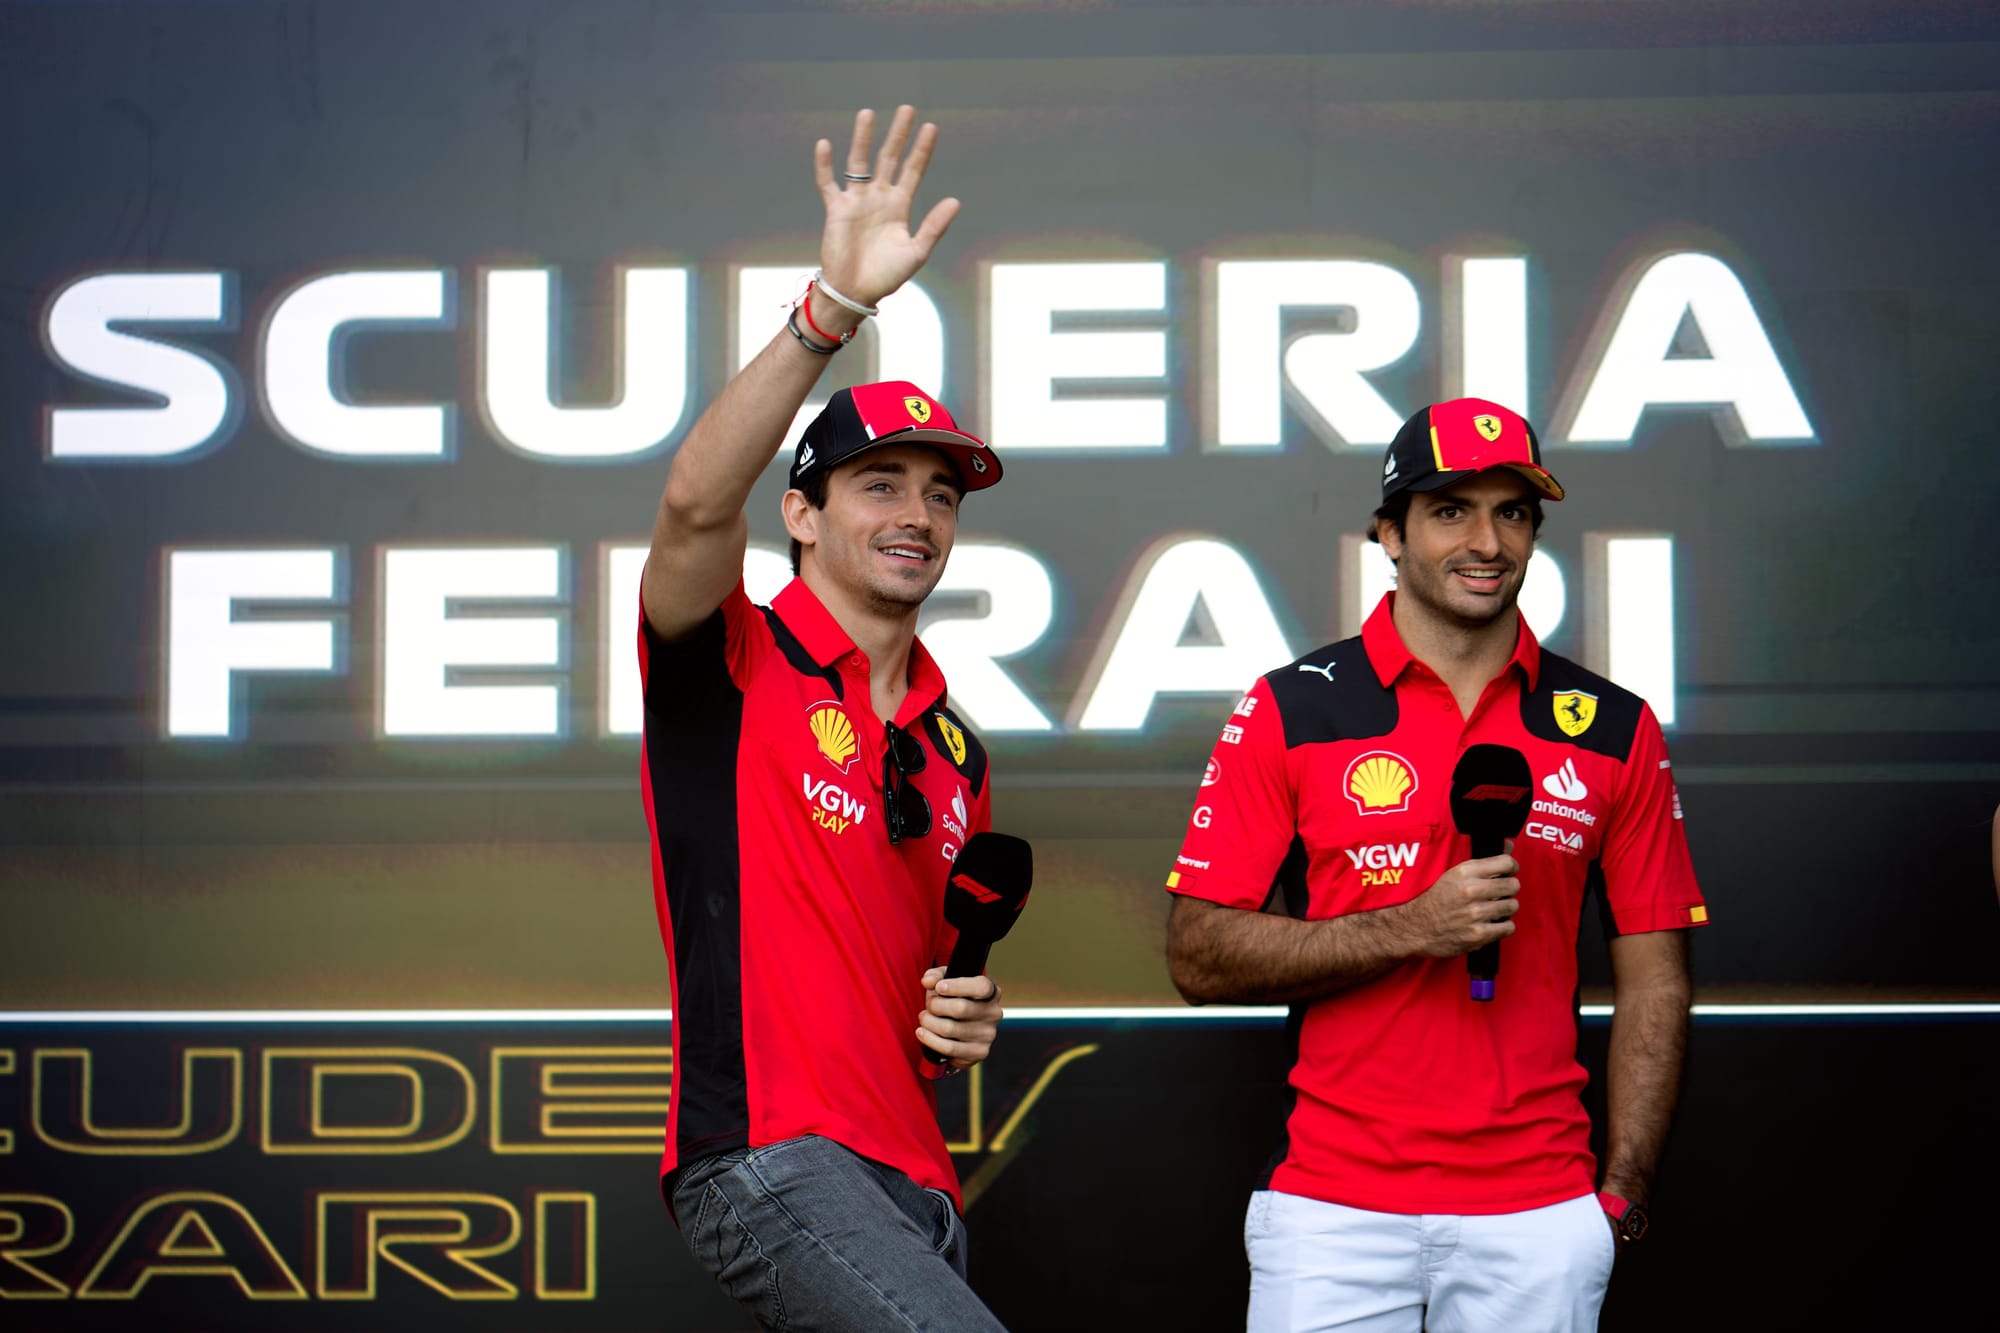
904, 808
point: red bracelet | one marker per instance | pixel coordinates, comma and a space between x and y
806, 305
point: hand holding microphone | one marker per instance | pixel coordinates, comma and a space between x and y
984, 892
1492, 790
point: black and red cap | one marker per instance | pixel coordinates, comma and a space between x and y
1447, 441
891, 412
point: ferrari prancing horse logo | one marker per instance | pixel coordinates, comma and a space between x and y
1575, 711
954, 741
1488, 427
919, 409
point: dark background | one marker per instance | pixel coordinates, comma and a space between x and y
1838, 737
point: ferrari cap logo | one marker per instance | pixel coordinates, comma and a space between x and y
1488, 427
1575, 711
920, 410
954, 741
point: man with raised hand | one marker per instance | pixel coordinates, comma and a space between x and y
1435, 1170
807, 788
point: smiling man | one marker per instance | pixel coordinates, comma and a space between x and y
807, 788
1435, 1169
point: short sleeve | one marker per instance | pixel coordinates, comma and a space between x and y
1648, 876
719, 653
1245, 813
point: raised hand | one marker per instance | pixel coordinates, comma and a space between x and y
868, 249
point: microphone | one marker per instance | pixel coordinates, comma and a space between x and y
983, 895
1491, 792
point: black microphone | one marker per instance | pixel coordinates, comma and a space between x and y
1492, 790
983, 895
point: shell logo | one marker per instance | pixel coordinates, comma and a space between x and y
833, 733
1380, 783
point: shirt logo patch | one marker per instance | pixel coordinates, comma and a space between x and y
1383, 863
833, 733
954, 821
1380, 783
1212, 774
1575, 711
1564, 785
920, 411
1326, 671
831, 807
954, 741
1488, 427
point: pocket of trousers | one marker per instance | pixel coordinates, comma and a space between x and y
728, 1251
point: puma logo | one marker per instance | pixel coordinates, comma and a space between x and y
1326, 670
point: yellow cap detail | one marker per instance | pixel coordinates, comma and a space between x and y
834, 733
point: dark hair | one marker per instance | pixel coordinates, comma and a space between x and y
1395, 512
813, 487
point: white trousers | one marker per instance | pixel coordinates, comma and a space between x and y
1318, 1266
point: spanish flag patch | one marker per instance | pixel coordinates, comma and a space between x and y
1696, 915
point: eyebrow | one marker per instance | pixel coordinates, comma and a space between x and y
895, 469
1465, 502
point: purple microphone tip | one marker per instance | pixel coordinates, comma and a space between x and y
1482, 988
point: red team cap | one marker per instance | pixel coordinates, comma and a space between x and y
892, 412
1447, 441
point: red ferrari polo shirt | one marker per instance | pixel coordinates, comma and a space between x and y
798, 933
1330, 789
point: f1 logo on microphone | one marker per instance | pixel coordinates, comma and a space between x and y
976, 889
1494, 791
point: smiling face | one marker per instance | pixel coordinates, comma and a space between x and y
882, 538
1463, 550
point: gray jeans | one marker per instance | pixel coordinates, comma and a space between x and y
809, 1236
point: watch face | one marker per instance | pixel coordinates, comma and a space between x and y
1633, 1225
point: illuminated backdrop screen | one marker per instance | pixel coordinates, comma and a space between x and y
346, 348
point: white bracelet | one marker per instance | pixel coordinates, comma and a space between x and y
819, 279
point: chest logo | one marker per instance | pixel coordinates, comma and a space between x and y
1380, 783
833, 733
1575, 711
953, 738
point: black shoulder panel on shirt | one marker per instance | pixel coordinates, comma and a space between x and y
950, 737
1604, 720
796, 654
1332, 694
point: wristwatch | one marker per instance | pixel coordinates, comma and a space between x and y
1628, 1218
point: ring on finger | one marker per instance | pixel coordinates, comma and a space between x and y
857, 177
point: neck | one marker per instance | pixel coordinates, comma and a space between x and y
1465, 657
883, 632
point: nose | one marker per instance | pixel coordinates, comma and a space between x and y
914, 514
1483, 537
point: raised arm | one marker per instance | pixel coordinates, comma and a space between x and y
867, 251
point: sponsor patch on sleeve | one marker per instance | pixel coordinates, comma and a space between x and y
1696, 915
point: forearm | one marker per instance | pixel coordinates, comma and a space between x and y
1649, 1028
735, 439
1219, 955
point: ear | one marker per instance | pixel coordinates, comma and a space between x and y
801, 519
1391, 538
